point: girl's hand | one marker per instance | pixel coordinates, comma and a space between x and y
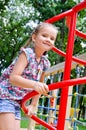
41, 88
31, 110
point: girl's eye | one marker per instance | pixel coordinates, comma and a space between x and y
52, 38
44, 35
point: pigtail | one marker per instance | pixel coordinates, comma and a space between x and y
28, 43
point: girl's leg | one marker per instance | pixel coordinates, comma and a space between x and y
17, 124
8, 122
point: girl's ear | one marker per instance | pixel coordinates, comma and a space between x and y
33, 37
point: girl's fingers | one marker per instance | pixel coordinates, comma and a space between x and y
41, 88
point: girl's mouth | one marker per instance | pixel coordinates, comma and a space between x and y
47, 44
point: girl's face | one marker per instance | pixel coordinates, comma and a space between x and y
45, 38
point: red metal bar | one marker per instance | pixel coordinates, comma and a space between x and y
25, 99
64, 83
67, 70
43, 123
64, 55
79, 7
57, 85
61, 84
80, 34
60, 16
76, 8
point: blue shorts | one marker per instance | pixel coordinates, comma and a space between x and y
10, 106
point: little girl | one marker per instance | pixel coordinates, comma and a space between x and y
26, 73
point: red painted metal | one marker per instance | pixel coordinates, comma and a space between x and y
79, 7
50, 127
53, 86
67, 71
67, 82
60, 16
76, 8
80, 34
64, 55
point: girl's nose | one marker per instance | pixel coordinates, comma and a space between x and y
48, 39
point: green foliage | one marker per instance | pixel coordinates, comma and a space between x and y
14, 31
3, 3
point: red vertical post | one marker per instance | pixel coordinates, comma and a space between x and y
67, 70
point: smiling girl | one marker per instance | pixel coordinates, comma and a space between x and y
26, 73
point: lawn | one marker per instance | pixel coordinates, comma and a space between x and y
24, 124
81, 127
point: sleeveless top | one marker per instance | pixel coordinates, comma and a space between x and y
33, 71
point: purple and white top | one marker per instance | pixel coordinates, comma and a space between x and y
33, 71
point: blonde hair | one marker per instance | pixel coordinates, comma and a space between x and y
36, 30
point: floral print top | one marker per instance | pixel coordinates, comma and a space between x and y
33, 71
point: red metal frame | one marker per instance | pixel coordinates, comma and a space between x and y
67, 82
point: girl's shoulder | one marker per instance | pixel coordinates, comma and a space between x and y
29, 52
45, 58
46, 62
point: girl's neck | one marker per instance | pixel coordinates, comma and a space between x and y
38, 53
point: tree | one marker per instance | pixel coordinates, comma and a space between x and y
15, 28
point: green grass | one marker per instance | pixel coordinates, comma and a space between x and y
81, 127
24, 123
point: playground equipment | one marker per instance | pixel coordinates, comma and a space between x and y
67, 82
51, 109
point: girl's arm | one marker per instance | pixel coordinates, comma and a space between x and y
36, 98
34, 104
16, 78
